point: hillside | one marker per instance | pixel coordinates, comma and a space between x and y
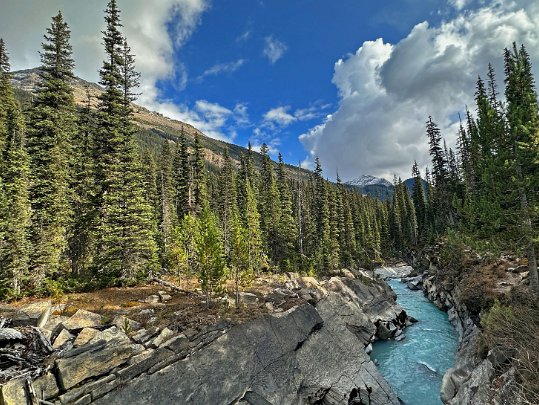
154, 126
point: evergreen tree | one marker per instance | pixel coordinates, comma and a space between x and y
420, 203
49, 144
182, 177
321, 210
126, 249
14, 182
211, 263
83, 196
167, 210
287, 230
523, 122
199, 176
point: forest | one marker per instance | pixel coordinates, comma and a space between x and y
85, 203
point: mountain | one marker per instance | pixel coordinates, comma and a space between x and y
154, 127
368, 180
373, 186
378, 187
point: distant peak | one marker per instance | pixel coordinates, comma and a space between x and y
368, 180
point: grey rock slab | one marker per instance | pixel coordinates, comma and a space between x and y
7, 334
63, 337
45, 386
82, 319
35, 314
85, 336
91, 363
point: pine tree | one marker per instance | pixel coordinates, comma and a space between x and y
321, 209
200, 192
228, 205
269, 206
523, 121
81, 242
257, 258
211, 263
420, 203
166, 192
49, 145
182, 177
126, 249
287, 230
14, 183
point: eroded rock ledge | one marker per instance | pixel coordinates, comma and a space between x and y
314, 353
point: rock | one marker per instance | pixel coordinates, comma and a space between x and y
393, 272
519, 269
85, 336
347, 273
368, 349
147, 311
382, 332
97, 360
82, 319
177, 344
269, 306
400, 337
448, 390
54, 321
35, 314
248, 298
124, 323
45, 386
144, 335
112, 333
7, 334
63, 337
151, 299
162, 337
14, 392
163, 296
398, 333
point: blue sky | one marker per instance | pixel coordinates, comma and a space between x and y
226, 63
350, 81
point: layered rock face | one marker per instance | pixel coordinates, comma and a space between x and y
314, 353
473, 380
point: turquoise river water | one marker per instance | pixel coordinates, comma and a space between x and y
414, 367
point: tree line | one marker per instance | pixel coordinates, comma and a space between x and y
488, 188
85, 204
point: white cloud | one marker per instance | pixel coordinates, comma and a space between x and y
154, 30
280, 116
228, 67
274, 49
244, 37
387, 91
459, 4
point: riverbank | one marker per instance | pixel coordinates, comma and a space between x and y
312, 352
467, 289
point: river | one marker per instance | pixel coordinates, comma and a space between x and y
414, 367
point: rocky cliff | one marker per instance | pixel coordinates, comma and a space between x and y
313, 353
472, 381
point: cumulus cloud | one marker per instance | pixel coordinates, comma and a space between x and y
279, 115
228, 67
154, 30
274, 49
387, 91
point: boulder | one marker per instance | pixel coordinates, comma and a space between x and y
35, 314
14, 392
382, 332
449, 389
82, 319
124, 323
112, 333
97, 360
54, 321
248, 298
45, 386
151, 299
63, 337
85, 336
163, 296
162, 337
7, 334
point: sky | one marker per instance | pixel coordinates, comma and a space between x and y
350, 81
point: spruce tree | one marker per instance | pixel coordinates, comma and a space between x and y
53, 124
523, 122
182, 177
200, 191
287, 230
14, 183
126, 249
